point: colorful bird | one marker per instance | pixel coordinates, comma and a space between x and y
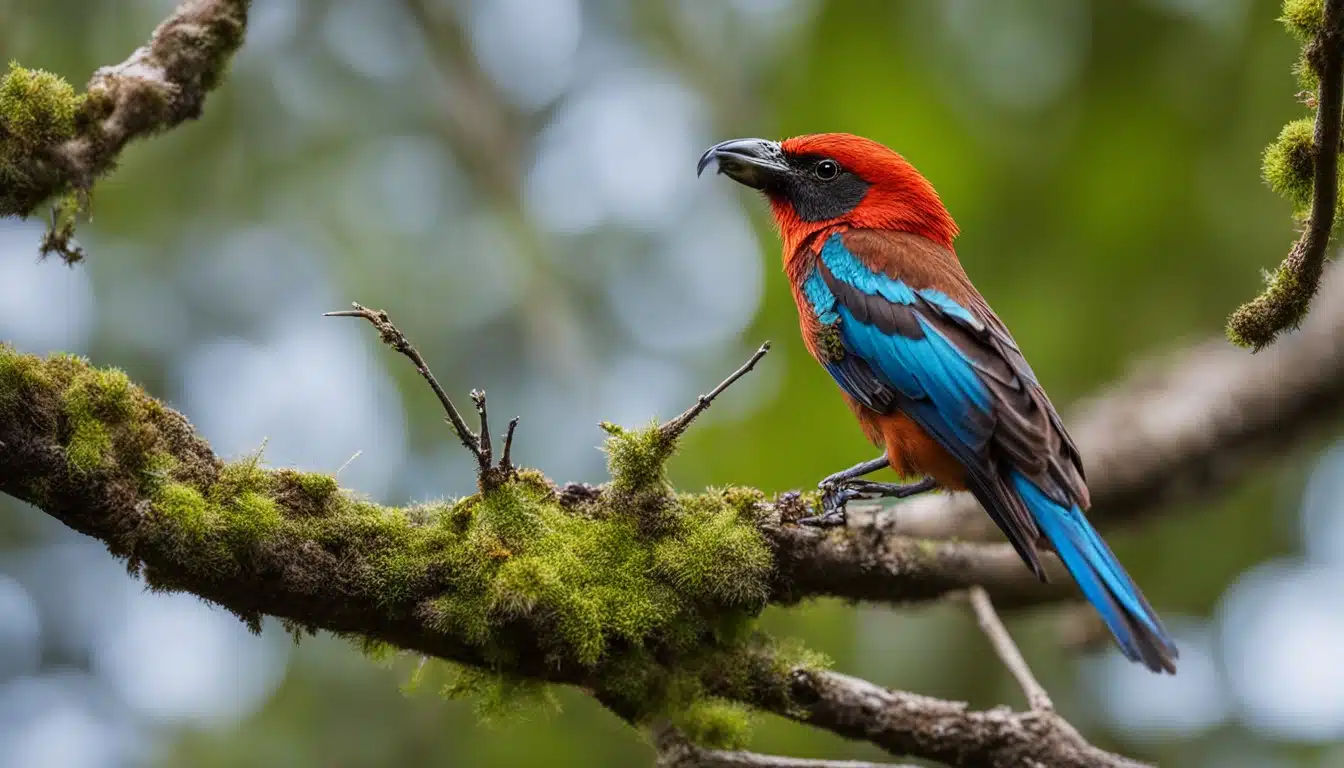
927, 367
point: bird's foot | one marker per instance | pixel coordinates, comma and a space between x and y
835, 495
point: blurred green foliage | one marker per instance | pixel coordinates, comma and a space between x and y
1123, 215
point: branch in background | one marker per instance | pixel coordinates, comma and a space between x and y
675, 751
488, 136
1007, 650
163, 84
1288, 297
1182, 429
1081, 630
933, 729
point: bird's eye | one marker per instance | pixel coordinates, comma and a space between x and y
827, 170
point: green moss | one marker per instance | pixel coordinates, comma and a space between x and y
20, 374
749, 503
648, 594
1303, 17
715, 723
1290, 161
715, 557
636, 459
89, 443
37, 111
185, 508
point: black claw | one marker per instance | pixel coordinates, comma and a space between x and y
832, 519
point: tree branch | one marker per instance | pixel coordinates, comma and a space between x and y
675, 751
161, 85
1286, 301
866, 565
919, 726
1007, 650
94, 451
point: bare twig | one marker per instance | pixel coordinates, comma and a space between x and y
1286, 301
394, 338
1007, 650
486, 455
506, 457
677, 426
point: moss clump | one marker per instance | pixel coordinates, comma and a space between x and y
715, 555
637, 460
1290, 162
37, 109
89, 443
185, 507
715, 723
20, 376
37, 112
1303, 18
94, 399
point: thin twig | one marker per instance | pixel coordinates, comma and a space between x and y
1007, 650
486, 455
394, 338
506, 456
1285, 303
348, 462
677, 426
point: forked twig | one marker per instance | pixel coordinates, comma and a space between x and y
1007, 650
479, 445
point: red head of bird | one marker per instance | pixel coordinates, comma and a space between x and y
828, 181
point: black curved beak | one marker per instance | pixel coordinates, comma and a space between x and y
757, 163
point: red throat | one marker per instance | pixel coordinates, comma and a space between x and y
898, 198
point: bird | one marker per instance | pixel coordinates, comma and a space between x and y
929, 370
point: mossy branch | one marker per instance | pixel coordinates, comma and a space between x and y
1303, 165
55, 144
642, 595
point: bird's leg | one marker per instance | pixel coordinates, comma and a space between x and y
843, 487
858, 470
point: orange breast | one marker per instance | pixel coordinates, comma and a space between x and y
911, 451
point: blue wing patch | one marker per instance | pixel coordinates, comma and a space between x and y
900, 350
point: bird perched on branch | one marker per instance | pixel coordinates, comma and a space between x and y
930, 371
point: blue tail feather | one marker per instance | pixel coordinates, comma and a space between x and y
1101, 578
